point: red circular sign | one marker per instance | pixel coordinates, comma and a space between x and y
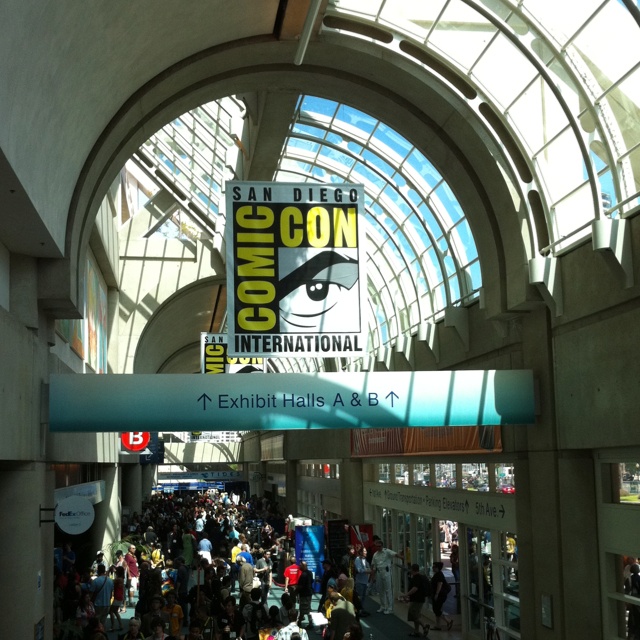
135, 440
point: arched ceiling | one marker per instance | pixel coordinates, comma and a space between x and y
516, 95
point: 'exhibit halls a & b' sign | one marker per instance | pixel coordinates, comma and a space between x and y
296, 269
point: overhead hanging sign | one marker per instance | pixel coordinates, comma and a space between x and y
215, 358
277, 401
296, 269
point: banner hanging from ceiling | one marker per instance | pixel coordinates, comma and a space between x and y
296, 269
215, 358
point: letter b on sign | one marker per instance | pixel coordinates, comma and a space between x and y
135, 440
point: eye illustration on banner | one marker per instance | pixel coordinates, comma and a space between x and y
317, 294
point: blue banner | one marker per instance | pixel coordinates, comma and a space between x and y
310, 547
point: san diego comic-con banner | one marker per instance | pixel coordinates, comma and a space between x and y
215, 358
296, 269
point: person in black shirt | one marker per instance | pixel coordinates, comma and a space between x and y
230, 622
329, 572
305, 592
417, 594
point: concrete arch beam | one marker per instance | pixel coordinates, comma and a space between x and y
389, 87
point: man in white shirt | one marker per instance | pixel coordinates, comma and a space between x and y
381, 567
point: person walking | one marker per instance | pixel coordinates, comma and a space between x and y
133, 572
416, 595
440, 590
102, 590
305, 592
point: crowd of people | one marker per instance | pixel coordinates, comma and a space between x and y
202, 567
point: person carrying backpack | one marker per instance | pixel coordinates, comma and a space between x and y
417, 594
255, 615
439, 591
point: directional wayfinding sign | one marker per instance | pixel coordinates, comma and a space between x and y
477, 508
135, 441
187, 402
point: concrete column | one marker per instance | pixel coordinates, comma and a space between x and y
23, 298
149, 474
27, 545
351, 490
107, 526
5, 277
556, 523
113, 329
292, 488
131, 487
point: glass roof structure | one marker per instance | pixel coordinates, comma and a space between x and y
421, 253
546, 77
547, 84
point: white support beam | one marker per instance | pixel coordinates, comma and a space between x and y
612, 240
458, 318
544, 272
428, 334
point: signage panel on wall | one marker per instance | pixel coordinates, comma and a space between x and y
296, 269
74, 515
477, 508
200, 475
215, 357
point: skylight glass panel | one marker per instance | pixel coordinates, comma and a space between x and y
429, 219
461, 33
461, 233
356, 118
375, 160
335, 139
392, 139
308, 130
450, 202
454, 288
475, 276
439, 298
370, 176
434, 266
319, 173
561, 24
354, 148
561, 165
305, 144
312, 105
337, 156
503, 71
574, 211
537, 116
417, 224
424, 168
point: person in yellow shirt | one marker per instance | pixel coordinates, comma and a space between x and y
234, 567
174, 613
